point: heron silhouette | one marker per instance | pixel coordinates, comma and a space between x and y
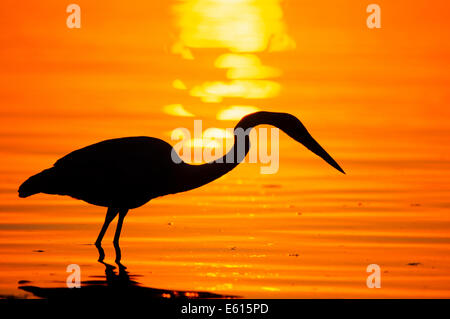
125, 173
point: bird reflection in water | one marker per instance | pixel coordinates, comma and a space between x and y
117, 285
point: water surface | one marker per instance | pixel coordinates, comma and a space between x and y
377, 100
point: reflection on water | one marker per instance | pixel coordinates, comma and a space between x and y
236, 112
378, 100
241, 28
246, 89
238, 25
116, 285
245, 66
177, 110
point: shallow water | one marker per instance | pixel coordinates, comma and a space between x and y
376, 100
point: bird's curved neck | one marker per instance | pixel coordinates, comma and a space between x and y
199, 175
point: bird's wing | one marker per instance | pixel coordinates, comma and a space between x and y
131, 166
115, 151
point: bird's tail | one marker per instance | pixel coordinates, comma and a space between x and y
37, 183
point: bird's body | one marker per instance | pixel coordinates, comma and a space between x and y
126, 173
121, 173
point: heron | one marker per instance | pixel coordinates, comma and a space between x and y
126, 173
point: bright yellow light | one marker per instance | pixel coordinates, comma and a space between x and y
179, 48
254, 72
238, 25
247, 89
236, 112
245, 66
281, 42
177, 110
241, 26
178, 84
232, 60
211, 138
178, 134
217, 133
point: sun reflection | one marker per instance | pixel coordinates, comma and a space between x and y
177, 110
245, 66
232, 60
247, 89
236, 112
272, 289
241, 29
218, 133
212, 139
238, 25
178, 84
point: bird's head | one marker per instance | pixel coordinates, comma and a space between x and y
295, 129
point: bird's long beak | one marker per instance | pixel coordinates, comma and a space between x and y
315, 147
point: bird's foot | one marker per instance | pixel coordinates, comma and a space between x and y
121, 266
118, 251
101, 252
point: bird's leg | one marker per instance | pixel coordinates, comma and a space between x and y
118, 256
110, 214
101, 253
122, 214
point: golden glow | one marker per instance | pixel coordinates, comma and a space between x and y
180, 49
240, 26
179, 134
237, 25
233, 60
254, 72
245, 66
211, 138
272, 289
247, 89
177, 110
178, 84
236, 112
218, 133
